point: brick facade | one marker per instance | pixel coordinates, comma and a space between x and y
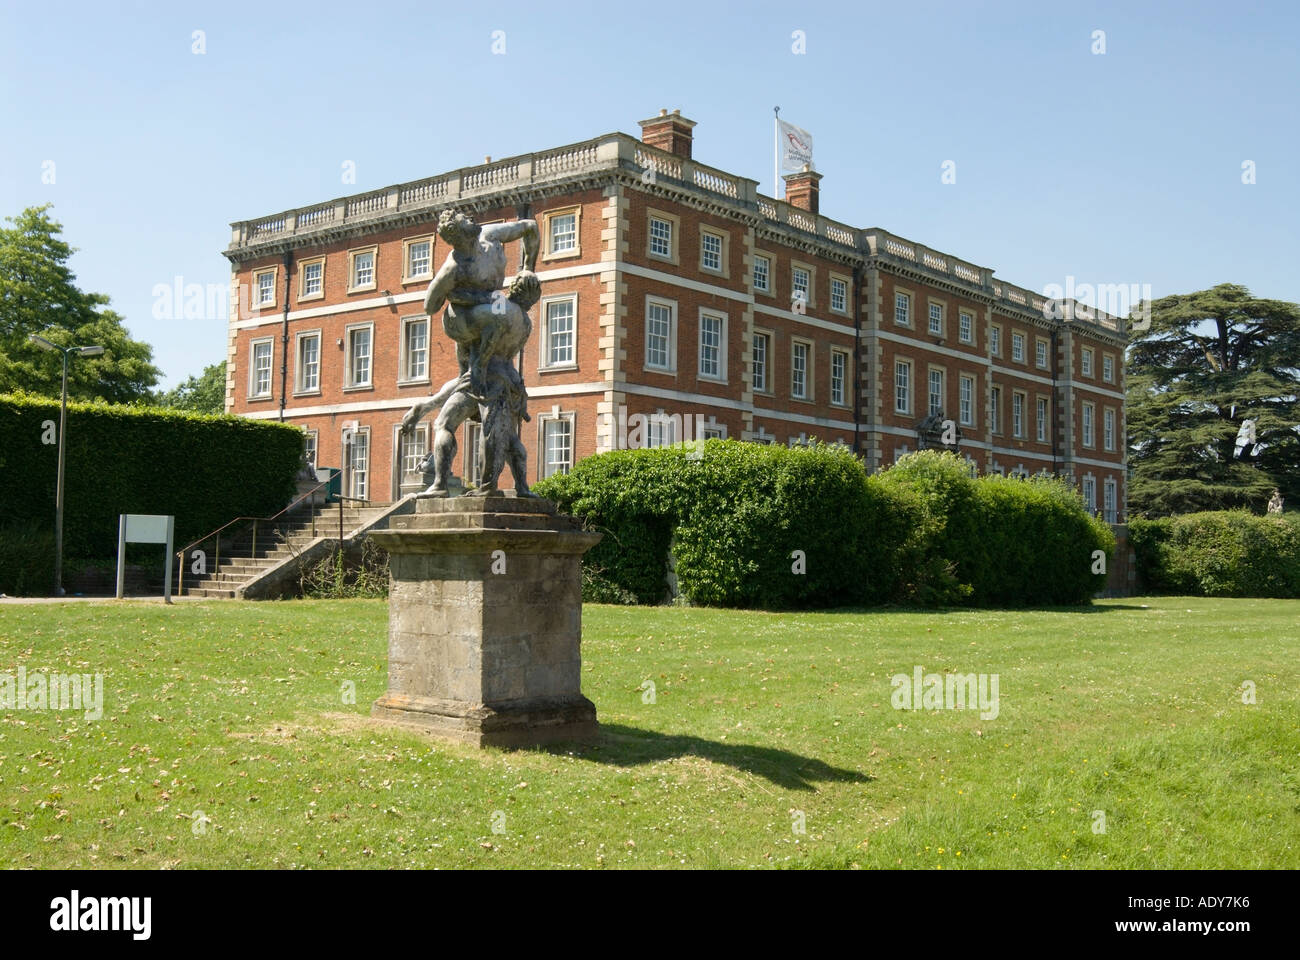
689, 294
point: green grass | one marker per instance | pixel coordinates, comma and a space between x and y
1132, 707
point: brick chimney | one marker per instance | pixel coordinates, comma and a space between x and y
803, 188
669, 131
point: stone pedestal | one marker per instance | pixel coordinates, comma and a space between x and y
485, 621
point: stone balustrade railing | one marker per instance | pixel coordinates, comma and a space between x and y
621, 151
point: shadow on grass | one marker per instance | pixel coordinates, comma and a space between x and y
624, 746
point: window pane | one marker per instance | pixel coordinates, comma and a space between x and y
902, 387
360, 356
936, 318
559, 445
309, 363
311, 279
936, 392
418, 265
710, 346
564, 232
658, 335
661, 237
559, 332
839, 295
760, 362
838, 364
363, 269
417, 349
799, 370
711, 251
761, 273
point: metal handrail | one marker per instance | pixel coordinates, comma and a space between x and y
180, 554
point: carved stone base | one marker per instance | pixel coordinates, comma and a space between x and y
485, 621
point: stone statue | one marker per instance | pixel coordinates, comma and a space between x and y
489, 327
1275, 501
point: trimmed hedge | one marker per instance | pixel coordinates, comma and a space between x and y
1220, 553
205, 470
732, 519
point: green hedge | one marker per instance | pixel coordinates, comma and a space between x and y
732, 519
1226, 553
205, 470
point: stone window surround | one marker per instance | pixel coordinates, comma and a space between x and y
722, 346
402, 358
671, 369
374, 272
674, 241
252, 369
350, 329
544, 339
408, 277
576, 209
298, 389
725, 254
303, 295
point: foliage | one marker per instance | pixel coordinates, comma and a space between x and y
38, 294
763, 526
205, 393
1210, 360
203, 470
335, 578
1226, 553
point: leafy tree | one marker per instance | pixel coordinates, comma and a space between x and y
1209, 361
205, 393
38, 294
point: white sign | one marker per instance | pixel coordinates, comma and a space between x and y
144, 528
147, 527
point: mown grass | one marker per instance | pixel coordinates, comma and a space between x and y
1130, 707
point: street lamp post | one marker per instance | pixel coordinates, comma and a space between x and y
63, 425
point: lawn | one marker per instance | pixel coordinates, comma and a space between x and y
236, 713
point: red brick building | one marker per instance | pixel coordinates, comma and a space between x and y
670, 288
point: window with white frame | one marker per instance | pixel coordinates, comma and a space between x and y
307, 377
415, 348
419, 259
839, 370
264, 283
1109, 501
1040, 420
995, 409
903, 309
560, 332
800, 285
1089, 436
713, 346
359, 354
936, 319
1018, 348
660, 335
966, 400
473, 453
1017, 414
1090, 494
1108, 429
413, 448
965, 327
311, 279
1108, 368
361, 269
562, 232
358, 463
1040, 352
660, 430
661, 238
259, 372
935, 392
309, 438
711, 251
839, 295
799, 352
902, 386
762, 350
1085, 362
995, 340
557, 445
762, 274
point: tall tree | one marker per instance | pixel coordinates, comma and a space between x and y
1209, 361
205, 393
38, 294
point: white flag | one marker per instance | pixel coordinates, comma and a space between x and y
796, 146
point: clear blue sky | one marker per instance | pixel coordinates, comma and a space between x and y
1117, 168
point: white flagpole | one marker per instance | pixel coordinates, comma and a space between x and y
776, 153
